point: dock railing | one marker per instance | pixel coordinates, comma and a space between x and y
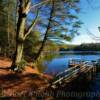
72, 72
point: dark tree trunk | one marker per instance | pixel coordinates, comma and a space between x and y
46, 33
19, 37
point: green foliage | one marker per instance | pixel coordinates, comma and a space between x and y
39, 64
77, 24
50, 56
7, 26
21, 66
68, 38
88, 47
32, 44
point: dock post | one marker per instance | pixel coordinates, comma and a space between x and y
94, 69
89, 75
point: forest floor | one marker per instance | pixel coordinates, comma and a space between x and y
29, 82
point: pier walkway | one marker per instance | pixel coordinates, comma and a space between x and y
76, 68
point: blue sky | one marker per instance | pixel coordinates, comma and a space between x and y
90, 16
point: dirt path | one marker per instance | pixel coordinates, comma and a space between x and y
18, 84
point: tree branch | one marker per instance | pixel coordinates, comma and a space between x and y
38, 4
32, 25
27, 7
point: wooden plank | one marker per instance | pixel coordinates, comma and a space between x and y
69, 69
71, 73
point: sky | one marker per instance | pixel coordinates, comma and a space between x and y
90, 16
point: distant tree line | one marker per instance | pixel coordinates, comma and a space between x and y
82, 47
88, 47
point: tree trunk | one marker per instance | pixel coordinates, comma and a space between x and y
42, 46
46, 33
17, 56
19, 38
19, 43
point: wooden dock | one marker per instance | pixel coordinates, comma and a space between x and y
76, 68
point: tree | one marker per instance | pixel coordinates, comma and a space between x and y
11, 25
21, 32
3, 27
60, 20
7, 26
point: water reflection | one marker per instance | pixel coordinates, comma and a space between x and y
59, 62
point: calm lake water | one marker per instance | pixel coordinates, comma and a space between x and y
59, 62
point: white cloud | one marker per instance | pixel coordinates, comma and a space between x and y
83, 39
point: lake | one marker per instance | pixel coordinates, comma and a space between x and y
59, 61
